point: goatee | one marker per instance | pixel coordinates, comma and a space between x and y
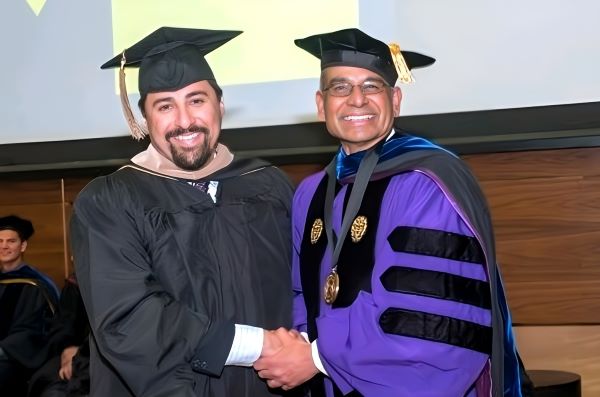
191, 159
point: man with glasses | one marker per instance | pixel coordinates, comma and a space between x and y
394, 271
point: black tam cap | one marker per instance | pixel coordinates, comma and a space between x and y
172, 58
22, 226
352, 47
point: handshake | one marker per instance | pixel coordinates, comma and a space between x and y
286, 359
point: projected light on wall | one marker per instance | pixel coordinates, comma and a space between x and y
490, 55
263, 53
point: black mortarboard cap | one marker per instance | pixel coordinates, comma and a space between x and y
172, 58
23, 227
352, 47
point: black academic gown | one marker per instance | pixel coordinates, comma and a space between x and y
165, 273
69, 328
27, 303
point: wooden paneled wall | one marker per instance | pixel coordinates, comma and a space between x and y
546, 211
47, 203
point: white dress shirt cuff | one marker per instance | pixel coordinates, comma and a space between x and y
315, 356
246, 347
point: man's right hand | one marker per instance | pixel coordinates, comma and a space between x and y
290, 363
271, 344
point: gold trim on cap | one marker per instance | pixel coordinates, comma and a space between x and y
404, 73
137, 131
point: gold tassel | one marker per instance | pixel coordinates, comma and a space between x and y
404, 73
137, 131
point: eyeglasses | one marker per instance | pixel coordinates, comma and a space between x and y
344, 88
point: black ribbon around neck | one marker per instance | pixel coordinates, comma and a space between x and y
363, 175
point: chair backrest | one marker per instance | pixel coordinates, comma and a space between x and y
36, 283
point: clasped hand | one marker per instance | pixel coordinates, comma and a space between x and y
286, 359
66, 362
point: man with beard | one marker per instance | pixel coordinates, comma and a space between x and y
183, 255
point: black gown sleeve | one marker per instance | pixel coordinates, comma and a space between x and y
70, 326
150, 338
27, 334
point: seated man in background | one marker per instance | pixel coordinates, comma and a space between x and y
27, 302
66, 371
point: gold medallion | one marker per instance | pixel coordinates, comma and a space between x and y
358, 228
332, 287
315, 231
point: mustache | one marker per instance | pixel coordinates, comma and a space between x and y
181, 131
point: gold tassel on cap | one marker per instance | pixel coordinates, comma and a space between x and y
138, 132
404, 73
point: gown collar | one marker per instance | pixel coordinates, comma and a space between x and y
394, 145
152, 160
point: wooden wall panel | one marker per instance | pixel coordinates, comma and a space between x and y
73, 186
535, 164
567, 348
546, 216
569, 198
555, 302
45, 248
569, 257
297, 172
38, 191
547, 223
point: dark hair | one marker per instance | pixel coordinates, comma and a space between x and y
23, 227
212, 83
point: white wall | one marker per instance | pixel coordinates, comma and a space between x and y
491, 54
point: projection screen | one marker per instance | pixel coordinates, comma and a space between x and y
490, 55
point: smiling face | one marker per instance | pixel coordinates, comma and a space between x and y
11, 250
184, 125
359, 121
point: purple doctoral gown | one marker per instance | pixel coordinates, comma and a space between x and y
419, 323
